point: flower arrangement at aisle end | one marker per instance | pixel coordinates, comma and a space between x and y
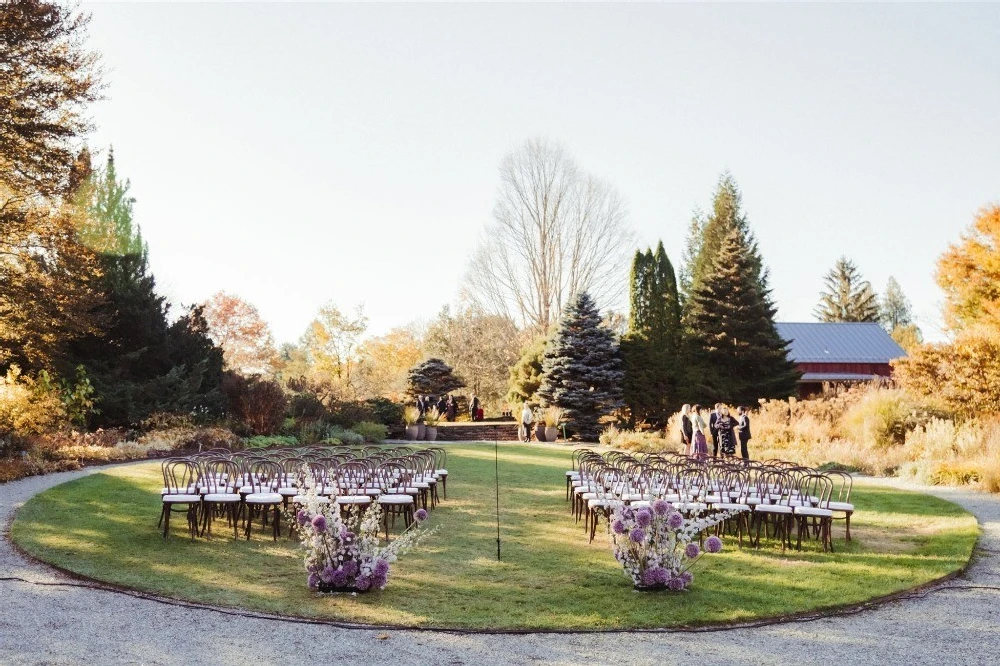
657, 545
346, 554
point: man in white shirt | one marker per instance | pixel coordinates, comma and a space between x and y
526, 423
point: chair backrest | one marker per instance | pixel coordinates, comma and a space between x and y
180, 476
815, 489
262, 476
843, 483
219, 475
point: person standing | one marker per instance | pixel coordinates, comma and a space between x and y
452, 407
743, 430
713, 429
526, 423
727, 436
474, 407
686, 430
700, 443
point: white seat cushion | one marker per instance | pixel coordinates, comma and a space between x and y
395, 499
354, 499
731, 506
263, 498
288, 491
182, 498
442, 472
222, 497
774, 508
813, 511
841, 506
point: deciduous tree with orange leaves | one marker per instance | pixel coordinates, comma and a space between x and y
245, 338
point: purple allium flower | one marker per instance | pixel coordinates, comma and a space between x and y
676, 584
319, 522
339, 578
627, 513
363, 583
348, 536
643, 517
675, 521
618, 527
662, 575
351, 568
301, 517
420, 516
326, 575
379, 581
687, 577
638, 535
315, 567
649, 576
313, 581
692, 550
713, 544
381, 567
661, 507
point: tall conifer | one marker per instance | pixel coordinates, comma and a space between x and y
736, 352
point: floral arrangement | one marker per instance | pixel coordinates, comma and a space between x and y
432, 417
411, 415
552, 416
346, 554
657, 545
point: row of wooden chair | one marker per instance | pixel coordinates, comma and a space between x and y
774, 497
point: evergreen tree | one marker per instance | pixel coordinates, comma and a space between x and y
139, 363
526, 375
433, 377
581, 369
736, 352
895, 308
650, 348
847, 297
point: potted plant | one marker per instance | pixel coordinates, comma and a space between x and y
346, 554
552, 416
410, 417
657, 545
431, 419
539, 426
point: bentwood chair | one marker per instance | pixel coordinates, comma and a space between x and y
218, 477
260, 494
180, 489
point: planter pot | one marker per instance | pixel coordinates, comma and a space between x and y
649, 588
432, 434
540, 433
421, 431
551, 434
327, 589
411, 432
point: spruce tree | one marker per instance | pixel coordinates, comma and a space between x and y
736, 352
848, 296
432, 377
526, 375
581, 369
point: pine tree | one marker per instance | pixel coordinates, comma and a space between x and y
526, 375
433, 377
581, 369
736, 352
895, 308
847, 297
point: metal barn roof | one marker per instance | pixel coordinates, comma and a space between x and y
839, 343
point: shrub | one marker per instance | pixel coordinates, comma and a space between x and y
880, 419
348, 437
12, 469
257, 404
372, 432
385, 411
28, 406
346, 413
268, 441
651, 441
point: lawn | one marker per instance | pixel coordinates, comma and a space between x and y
104, 527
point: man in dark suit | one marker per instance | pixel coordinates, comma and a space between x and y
712, 418
743, 430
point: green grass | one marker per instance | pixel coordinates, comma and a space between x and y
104, 527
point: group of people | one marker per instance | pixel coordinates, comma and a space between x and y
724, 429
447, 406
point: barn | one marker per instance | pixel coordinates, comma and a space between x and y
838, 353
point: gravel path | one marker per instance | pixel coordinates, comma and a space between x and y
42, 623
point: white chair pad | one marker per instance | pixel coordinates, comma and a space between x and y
300, 499
182, 498
263, 498
774, 508
354, 499
395, 499
222, 497
813, 511
731, 506
841, 506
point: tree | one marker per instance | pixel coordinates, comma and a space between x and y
895, 308
582, 370
651, 346
526, 375
432, 377
481, 347
969, 274
385, 362
847, 297
48, 78
331, 343
736, 352
907, 336
557, 231
244, 337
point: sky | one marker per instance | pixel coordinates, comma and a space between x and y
297, 154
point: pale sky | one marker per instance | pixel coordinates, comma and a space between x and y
300, 153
